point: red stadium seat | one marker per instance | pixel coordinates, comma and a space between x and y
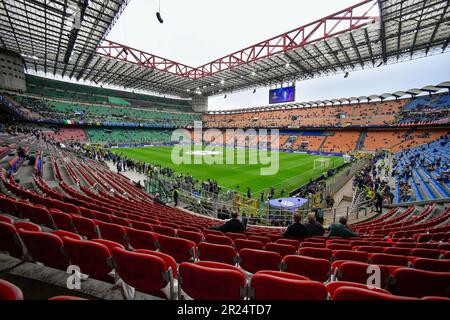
145, 272
334, 285
264, 240
316, 269
167, 231
216, 252
369, 249
46, 248
322, 253
354, 293
240, 244
444, 246
291, 242
253, 260
6, 219
235, 236
354, 271
428, 245
400, 245
144, 226
25, 209
105, 217
9, 240
120, 221
388, 259
350, 255
85, 227
113, 232
426, 253
93, 258
283, 274
398, 251
62, 234
206, 282
306, 244
281, 249
180, 249
216, 239
65, 298
29, 226
109, 244
270, 287
196, 237
42, 216
140, 239
9, 291
339, 246
215, 232
62, 220
442, 265
419, 283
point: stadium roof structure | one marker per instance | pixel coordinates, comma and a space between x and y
369, 34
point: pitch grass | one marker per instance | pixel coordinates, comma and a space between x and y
294, 171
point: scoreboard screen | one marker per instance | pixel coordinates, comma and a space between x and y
282, 95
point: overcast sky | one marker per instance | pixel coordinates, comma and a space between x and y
195, 32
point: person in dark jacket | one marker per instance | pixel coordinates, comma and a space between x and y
232, 225
341, 229
297, 229
314, 228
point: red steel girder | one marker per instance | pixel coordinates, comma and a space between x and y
346, 20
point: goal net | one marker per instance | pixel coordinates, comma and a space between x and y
321, 164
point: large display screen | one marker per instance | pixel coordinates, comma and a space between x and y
281, 95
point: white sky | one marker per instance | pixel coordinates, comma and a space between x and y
195, 32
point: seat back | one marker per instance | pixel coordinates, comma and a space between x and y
281, 249
253, 260
334, 285
354, 271
263, 239
270, 287
196, 237
62, 220
216, 252
216, 239
398, 251
354, 293
322, 253
240, 244
389, 259
350, 255
426, 253
291, 242
442, 265
113, 232
8, 291
85, 227
9, 240
164, 230
180, 249
46, 248
202, 282
140, 239
316, 269
419, 283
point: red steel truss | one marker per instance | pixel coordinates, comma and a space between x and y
349, 19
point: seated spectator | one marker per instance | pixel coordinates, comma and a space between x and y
232, 225
158, 199
341, 229
297, 229
314, 228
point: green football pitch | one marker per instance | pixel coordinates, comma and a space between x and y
295, 169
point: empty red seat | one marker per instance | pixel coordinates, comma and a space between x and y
444, 246
240, 244
419, 283
9, 291
65, 298
62, 220
46, 248
409, 245
25, 209
9, 240
87, 213
144, 226
85, 227
253, 260
196, 237
369, 249
235, 236
190, 228
109, 244
211, 281
71, 209
93, 258
105, 217
428, 245
147, 273
316, 269
350, 255
354, 293
388, 259
381, 244
291, 242
216, 239
356, 243
27, 226
306, 244
120, 221
8, 205
334, 285
178, 248
264, 240
437, 265
42, 216
209, 231
339, 246
281, 249
140, 239
426, 253
355, 271
216, 252
398, 251
6, 219
168, 231
317, 253
271, 287
113, 232
62, 234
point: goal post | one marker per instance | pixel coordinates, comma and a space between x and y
321, 164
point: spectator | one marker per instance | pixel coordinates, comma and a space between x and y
341, 229
297, 229
158, 199
175, 196
232, 225
314, 228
